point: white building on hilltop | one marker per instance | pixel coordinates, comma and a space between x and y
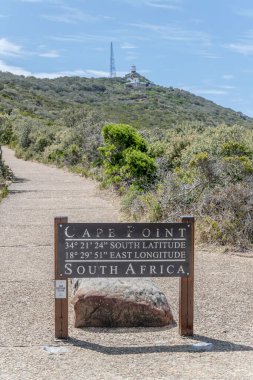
135, 80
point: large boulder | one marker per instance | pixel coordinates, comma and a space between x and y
120, 303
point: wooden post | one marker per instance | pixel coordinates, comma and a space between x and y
186, 291
61, 304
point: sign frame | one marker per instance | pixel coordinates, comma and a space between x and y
125, 250
186, 285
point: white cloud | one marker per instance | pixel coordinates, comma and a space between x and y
228, 76
127, 45
54, 2
205, 53
245, 13
163, 4
97, 73
30, 1
9, 48
247, 71
80, 38
131, 55
83, 73
50, 54
71, 38
100, 49
244, 45
13, 69
131, 58
249, 35
210, 92
225, 87
175, 33
245, 48
205, 91
59, 74
69, 15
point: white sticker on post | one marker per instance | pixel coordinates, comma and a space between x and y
60, 289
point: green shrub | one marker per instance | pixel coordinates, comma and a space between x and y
25, 139
86, 126
6, 132
228, 216
55, 154
72, 155
3, 192
237, 168
5, 172
138, 167
41, 143
125, 157
236, 148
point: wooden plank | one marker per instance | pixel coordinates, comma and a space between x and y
61, 304
186, 292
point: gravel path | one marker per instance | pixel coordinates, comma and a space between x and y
223, 297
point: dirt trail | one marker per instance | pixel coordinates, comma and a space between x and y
223, 309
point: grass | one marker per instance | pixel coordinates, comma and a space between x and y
3, 192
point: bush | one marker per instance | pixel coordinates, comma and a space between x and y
125, 157
6, 132
228, 216
211, 178
42, 142
237, 168
235, 148
86, 126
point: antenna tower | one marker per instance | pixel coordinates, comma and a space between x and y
112, 63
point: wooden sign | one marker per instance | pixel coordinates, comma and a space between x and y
124, 250
90, 250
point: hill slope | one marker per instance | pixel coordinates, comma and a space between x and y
192, 156
144, 107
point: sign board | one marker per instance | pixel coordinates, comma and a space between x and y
124, 250
60, 289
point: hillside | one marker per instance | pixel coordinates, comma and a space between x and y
145, 107
165, 151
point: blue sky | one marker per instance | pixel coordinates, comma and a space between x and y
202, 46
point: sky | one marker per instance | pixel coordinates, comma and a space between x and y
202, 46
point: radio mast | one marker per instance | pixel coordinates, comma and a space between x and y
112, 63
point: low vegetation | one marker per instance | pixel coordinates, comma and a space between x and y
209, 177
165, 151
125, 158
5, 173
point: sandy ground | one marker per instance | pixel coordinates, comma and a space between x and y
223, 297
